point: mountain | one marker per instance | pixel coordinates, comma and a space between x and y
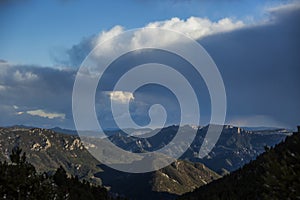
109, 132
235, 147
65, 131
176, 179
261, 128
273, 175
47, 150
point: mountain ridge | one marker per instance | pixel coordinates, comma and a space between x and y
48, 150
273, 175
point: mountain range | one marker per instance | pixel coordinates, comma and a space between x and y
235, 147
47, 150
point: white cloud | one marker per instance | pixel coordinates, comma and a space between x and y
24, 76
42, 113
194, 27
2, 88
105, 35
120, 96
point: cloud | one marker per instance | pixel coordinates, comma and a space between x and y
196, 27
2, 88
260, 67
259, 64
284, 8
28, 88
24, 76
120, 96
256, 121
20, 113
193, 27
42, 113
105, 35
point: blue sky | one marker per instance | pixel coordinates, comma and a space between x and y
34, 31
255, 45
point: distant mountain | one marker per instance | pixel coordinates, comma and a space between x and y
260, 128
108, 132
234, 148
65, 131
273, 131
273, 175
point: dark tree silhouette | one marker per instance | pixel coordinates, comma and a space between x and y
20, 180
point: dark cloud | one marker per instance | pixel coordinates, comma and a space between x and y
77, 53
27, 88
260, 67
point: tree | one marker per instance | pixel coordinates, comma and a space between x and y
20, 180
16, 157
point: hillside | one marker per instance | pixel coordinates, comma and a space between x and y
47, 150
20, 180
176, 179
235, 147
273, 175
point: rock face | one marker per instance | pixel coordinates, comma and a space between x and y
176, 179
181, 177
47, 150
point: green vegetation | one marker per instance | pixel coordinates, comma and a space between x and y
20, 180
273, 175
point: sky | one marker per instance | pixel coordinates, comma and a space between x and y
255, 45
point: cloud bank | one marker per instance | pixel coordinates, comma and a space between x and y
35, 95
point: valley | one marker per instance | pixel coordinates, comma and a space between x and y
47, 150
